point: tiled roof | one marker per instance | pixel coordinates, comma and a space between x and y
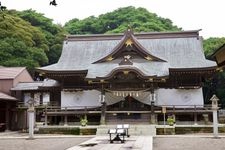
35, 85
179, 50
10, 72
4, 96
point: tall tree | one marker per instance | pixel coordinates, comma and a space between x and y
21, 43
54, 33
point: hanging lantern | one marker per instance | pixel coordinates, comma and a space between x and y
102, 98
137, 94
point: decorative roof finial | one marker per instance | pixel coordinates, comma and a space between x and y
129, 28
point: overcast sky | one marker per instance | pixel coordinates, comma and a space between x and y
207, 15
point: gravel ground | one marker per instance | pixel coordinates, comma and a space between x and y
40, 144
188, 143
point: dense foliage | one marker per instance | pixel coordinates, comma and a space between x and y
211, 44
21, 44
117, 21
29, 39
53, 33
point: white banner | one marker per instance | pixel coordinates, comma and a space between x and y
180, 97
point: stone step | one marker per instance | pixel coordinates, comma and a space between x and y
133, 130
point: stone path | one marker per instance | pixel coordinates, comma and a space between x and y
102, 143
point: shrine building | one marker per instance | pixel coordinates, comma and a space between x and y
128, 77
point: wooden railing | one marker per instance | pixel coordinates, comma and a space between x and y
53, 109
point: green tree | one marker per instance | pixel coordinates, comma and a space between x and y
211, 44
53, 33
20, 42
117, 22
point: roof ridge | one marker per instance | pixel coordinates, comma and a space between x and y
168, 34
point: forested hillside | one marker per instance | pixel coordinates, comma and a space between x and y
117, 21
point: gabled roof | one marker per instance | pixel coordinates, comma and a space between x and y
178, 50
10, 72
219, 56
6, 97
129, 39
144, 68
221, 48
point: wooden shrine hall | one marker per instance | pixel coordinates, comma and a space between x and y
128, 77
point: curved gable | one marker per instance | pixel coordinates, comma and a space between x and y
129, 43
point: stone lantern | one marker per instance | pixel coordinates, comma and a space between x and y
31, 118
215, 107
214, 100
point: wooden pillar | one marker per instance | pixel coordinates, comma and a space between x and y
103, 109
103, 114
174, 114
152, 100
195, 118
41, 98
153, 117
46, 116
7, 116
65, 118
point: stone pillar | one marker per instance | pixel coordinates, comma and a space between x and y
215, 123
31, 124
103, 114
31, 118
215, 108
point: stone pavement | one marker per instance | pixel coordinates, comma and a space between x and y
103, 143
18, 135
98, 142
189, 142
73, 142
